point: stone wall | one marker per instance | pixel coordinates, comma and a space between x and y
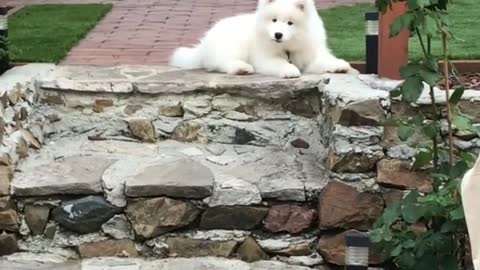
17, 135
162, 163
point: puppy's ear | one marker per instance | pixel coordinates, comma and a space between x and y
263, 3
300, 5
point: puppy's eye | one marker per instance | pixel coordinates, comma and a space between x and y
274, 20
290, 23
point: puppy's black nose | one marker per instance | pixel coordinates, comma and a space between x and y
278, 36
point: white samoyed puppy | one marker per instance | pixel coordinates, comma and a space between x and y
281, 38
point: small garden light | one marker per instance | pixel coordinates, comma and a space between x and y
371, 42
4, 62
3, 21
356, 257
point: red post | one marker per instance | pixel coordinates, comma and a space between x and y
392, 52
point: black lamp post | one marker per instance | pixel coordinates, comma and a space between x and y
356, 257
371, 42
4, 59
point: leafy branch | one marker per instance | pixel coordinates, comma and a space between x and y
440, 243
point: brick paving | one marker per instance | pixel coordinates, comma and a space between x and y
144, 32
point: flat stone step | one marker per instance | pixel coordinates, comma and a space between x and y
220, 174
34, 261
166, 80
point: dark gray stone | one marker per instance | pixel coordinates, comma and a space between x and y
300, 143
85, 215
233, 218
8, 244
243, 136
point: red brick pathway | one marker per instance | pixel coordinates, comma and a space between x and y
144, 32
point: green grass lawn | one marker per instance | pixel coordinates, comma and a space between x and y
346, 31
45, 33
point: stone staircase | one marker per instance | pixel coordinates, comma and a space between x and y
195, 171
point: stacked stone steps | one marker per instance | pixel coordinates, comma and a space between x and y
156, 162
185, 106
128, 172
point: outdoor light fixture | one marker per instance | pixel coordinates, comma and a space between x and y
4, 62
356, 257
371, 42
3, 21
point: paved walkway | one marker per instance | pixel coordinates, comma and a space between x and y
145, 32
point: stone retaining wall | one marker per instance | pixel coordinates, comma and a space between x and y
173, 164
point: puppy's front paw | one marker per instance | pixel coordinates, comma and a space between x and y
290, 71
353, 71
349, 70
240, 68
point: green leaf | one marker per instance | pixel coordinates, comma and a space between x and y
426, 262
430, 131
391, 214
459, 169
409, 244
411, 197
406, 260
418, 120
449, 226
462, 121
431, 63
443, 17
396, 27
442, 4
430, 25
376, 235
468, 157
423, 3
457, 213
423, 158
430, 77
396, 251
414, 4
382, 5
412, 88
395, 93
410, 209
401, 23
457, 95
405, 132
410, 70
476, 129
449, 262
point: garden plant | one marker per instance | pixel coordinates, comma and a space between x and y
428, 231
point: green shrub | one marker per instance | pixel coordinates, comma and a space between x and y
442, 242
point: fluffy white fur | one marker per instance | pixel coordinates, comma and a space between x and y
282, 38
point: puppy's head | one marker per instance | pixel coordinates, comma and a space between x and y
281, 20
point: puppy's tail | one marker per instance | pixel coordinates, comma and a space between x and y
186, 58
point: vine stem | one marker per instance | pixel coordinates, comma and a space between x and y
447, 97
427, 52
422, 44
